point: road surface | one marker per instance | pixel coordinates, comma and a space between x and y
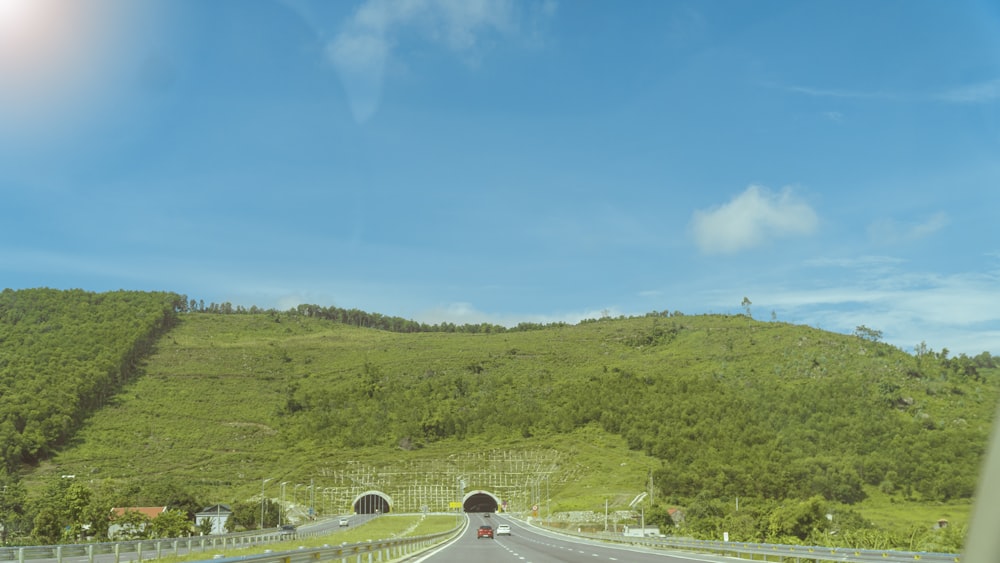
528, 544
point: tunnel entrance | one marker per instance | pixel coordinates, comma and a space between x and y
480, 501
372, 502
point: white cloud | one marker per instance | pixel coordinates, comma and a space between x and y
364, 45
959, 299
980, 92
847, 94
890, 231
458, 22
457, 313
360, 60
957, 311
465, 313
867, 262
752, 218
973, 93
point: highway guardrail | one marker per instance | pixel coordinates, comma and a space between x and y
144, 550
779, 552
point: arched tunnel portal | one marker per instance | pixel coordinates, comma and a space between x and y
372, 502
480, 501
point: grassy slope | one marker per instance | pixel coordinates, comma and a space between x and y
890, 513
207, 411
204, 411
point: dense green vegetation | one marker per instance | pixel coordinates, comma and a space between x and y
795, 421
62, 355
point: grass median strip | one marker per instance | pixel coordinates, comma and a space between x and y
382, 528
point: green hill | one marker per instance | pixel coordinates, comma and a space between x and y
707, 408
63, 354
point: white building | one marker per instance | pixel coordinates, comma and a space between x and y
218, 514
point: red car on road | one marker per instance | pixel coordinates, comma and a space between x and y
485, 532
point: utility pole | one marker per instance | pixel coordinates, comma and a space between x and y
262, 483
651, 488
281, 508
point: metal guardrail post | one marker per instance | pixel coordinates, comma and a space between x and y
90, 553
59, 553
20, 555
117, 553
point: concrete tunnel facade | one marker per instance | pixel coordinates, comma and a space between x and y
372, 502
480, 501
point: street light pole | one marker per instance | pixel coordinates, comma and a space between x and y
262, 483
281, 507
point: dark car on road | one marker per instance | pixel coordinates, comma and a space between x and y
485, 532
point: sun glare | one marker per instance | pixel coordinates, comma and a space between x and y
13, 10
18, 18
51, 54
29, 39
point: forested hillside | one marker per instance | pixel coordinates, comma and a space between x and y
727, 406
731, 405
63, 354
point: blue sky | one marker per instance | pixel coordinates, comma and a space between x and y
504, 161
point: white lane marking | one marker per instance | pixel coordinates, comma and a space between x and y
445, 545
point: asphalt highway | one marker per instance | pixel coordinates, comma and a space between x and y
528, 544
